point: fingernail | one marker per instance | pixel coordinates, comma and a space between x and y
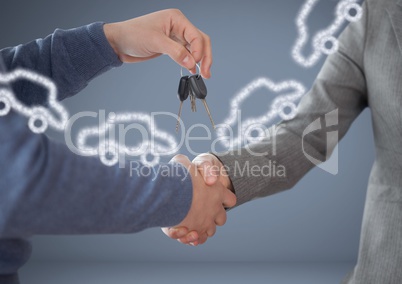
174, 230
192, 238
192, 244
186, 59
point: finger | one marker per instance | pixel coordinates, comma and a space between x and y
165, 231
196, 41
211, 231
176, 51
175, 233
221, 219
202, 239
207, 57
194, 244
208, 173
197, 47
196, 52
186, 32
229, 198
184, 242
208, 168
206, 157
182, 159
132, 59
191, 237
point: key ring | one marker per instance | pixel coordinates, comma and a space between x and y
194, 87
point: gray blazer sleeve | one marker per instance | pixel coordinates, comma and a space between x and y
340, 86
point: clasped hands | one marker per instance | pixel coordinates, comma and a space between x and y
212, 193
170, 32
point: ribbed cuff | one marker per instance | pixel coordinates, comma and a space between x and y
97, 35
238, 172
90, 52
254, 174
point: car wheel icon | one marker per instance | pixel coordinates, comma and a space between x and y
5, 106
323, 42
352, 12
38, 123
333, 45
111, 150
287, 110
39, 118
254, 129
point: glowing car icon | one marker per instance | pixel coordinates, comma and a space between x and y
323, 42
109, 149
283, 106
39, 117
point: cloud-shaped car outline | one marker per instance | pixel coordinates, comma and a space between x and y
142, 149
342, 13
34, 113
278, 107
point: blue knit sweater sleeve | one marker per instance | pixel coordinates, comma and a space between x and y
45, 188
71, 58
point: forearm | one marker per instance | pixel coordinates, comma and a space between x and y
337, 97
71, 58
46, 189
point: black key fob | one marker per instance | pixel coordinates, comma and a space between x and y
198, 86
183, 91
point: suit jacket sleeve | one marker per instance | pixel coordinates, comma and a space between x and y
339, 87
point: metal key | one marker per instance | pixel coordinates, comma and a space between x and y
199, 89
182, 93
192, 100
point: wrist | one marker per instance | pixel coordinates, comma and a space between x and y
227, 183
110, 33
224, 176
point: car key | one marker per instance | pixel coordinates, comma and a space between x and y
182, 93
192, 100
199, 89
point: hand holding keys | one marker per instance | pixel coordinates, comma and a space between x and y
194, 87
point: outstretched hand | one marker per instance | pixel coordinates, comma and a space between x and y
163, 32
213, 174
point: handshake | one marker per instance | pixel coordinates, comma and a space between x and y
212, 193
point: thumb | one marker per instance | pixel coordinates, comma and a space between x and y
209, 167
176, 51
182, 159
207, 170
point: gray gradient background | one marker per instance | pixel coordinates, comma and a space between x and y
317, 221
